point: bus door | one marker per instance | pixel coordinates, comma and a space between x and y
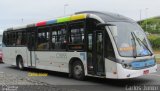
31, 46
96, 53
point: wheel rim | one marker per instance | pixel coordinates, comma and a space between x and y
20, 65
78, 70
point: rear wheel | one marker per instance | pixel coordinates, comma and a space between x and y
78, 70
20, 64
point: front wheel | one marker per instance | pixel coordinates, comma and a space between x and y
78, 70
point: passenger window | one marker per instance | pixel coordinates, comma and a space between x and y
15, 38
109, 52
76, 36
24, 38
31, 38
12, 38
19, 39
5, 40
59, 38
8, 39
43, 39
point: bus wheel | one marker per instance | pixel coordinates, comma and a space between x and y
78, 70
20, 64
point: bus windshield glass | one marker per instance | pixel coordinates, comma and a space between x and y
130, 39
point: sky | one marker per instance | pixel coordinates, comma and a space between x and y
20, 12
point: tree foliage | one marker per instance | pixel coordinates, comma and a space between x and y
155, 41
151, 25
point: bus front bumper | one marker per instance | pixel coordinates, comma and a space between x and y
127, 73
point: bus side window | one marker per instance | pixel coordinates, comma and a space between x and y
76, 36
54, 35
31, 39
24, 38
109, 52
19, 40
13, 39
5, 38
59, 37
43, 39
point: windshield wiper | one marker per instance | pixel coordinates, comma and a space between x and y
134, 44
142, 43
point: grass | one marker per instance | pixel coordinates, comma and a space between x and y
158, 60
157, 57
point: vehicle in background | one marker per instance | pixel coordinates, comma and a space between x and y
1, 61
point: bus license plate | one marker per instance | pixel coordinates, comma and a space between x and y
145, 72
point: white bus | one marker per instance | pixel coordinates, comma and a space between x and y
87, 43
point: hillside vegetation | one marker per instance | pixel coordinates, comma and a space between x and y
152, 27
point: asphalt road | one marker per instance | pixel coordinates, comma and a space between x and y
62, 82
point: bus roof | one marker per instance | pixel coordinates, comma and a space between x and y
108, 17
105, 16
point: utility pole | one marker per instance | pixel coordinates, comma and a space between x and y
65, 5
22, 20
140, 16
146, 9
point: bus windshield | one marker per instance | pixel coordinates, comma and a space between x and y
130, 39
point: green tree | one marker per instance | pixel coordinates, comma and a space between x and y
151, 25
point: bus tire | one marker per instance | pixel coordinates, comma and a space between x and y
78, 70
20, 64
